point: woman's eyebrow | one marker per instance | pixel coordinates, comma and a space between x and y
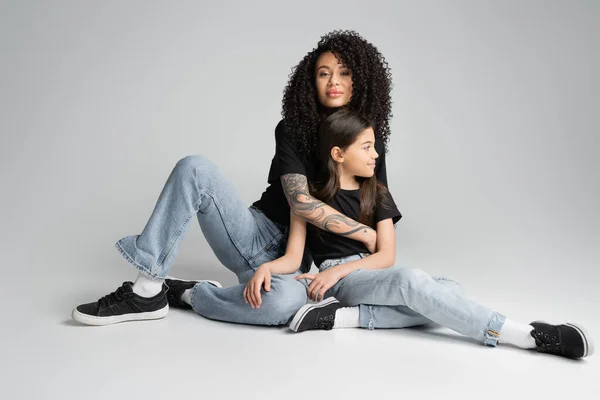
327, 66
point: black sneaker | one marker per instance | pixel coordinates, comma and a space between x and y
567, 340
316, 316
175, 288
122, 305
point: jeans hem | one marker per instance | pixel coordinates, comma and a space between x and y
192, 296
140, 268
365, 317
492, 333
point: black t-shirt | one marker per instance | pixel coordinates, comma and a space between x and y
325, 245
288, 160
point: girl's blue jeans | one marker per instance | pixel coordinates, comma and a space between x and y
402, 297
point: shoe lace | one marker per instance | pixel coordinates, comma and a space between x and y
113, 297
546, 342
325, 323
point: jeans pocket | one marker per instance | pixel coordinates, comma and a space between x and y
272, 250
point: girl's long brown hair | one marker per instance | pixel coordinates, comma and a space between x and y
341, 129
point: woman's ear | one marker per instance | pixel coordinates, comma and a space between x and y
337, 154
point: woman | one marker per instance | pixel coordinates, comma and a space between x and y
344, 70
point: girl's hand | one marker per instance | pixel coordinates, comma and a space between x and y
262, 276
321, 282
371, 242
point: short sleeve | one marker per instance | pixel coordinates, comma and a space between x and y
380, 168
286, 153
386, 208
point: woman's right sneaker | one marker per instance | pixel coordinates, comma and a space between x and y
567, 340
122, 305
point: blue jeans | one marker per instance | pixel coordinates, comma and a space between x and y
402, 297
241, 237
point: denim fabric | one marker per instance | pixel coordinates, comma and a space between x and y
401, 297
241, 237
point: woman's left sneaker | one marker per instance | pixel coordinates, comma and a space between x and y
176, 287
567, 340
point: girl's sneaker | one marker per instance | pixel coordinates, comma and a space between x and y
316, 316
567, 340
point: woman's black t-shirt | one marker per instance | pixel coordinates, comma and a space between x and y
288, 160
324, 245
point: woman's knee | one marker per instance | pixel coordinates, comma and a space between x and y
195, 171
192, 163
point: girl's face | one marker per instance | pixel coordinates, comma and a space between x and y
333, 81
359, 158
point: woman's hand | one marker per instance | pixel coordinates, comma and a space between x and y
262, 276
321, 282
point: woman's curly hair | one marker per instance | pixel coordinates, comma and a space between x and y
371, 85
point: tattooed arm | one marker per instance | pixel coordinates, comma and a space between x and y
314, 211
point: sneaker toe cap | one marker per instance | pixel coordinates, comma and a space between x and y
89, 308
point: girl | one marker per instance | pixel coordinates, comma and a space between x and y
378, 295
343, 70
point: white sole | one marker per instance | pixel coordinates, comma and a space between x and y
295, 324
215, 283
115, 319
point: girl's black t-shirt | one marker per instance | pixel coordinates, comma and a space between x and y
288, 160
273, 203
324, 245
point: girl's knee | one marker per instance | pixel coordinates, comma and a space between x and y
452, 284
411, 274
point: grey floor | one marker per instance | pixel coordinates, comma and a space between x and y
48, 356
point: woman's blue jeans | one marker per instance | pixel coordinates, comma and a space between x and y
241, 237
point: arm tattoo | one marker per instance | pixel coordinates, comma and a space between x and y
295, 187
338, 221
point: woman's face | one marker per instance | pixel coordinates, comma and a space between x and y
333, 81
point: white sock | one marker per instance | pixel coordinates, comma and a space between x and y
517, 334
186, 297
347, 317
147, 287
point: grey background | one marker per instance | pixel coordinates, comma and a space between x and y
493, 163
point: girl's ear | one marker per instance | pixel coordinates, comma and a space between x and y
337, 154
